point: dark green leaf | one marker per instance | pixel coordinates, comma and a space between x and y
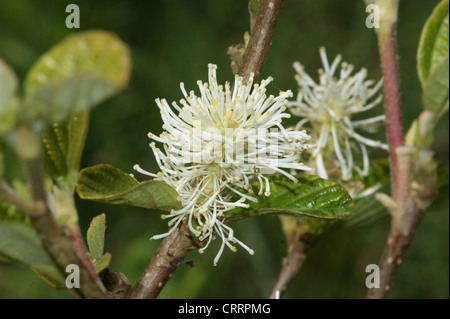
442, 182
368, 209
311, 197
55, 144
433, 45
96, 237
78, 73
21, 244
64, 143
107, 184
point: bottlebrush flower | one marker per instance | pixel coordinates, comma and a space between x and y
327, 107
216, 144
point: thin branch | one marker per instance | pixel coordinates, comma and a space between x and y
399, 240
394, 125
260, 39
301, 234
297, 252
169, 256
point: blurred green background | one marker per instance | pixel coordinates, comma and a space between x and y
173, 41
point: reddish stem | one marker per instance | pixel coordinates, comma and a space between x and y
388, 53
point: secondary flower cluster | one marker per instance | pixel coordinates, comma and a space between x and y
327, 108
215, 144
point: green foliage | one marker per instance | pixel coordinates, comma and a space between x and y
368, 209
432, 61
63, 143
96, 237
2, 158
78, 73
8, 103
107, 184
96, 243
75, 75
435, 91
8, 83
311, 197
442, 183
102, 263
433, 45
9, 212
21, 244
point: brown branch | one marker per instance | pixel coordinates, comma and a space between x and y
169, 256
260, 39
301, 234
297, 253
398, 242
116, 283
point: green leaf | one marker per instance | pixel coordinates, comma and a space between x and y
8, 103
77, 74
103, 263
311, 197
368, 209
442, 182
433, 45
21, 244
55, 145
8, 83
2, 158
107, 184
9, 212
96, 243
435, 91
253, 7
96, 237
63, 143
77, 132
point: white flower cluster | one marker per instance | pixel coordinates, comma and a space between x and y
327, 107
215, 144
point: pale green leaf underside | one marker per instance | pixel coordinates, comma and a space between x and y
435, 91
311, 197
21, 244
433, 45
107, 184
56, 102
78, 73
8, 84
8, 102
